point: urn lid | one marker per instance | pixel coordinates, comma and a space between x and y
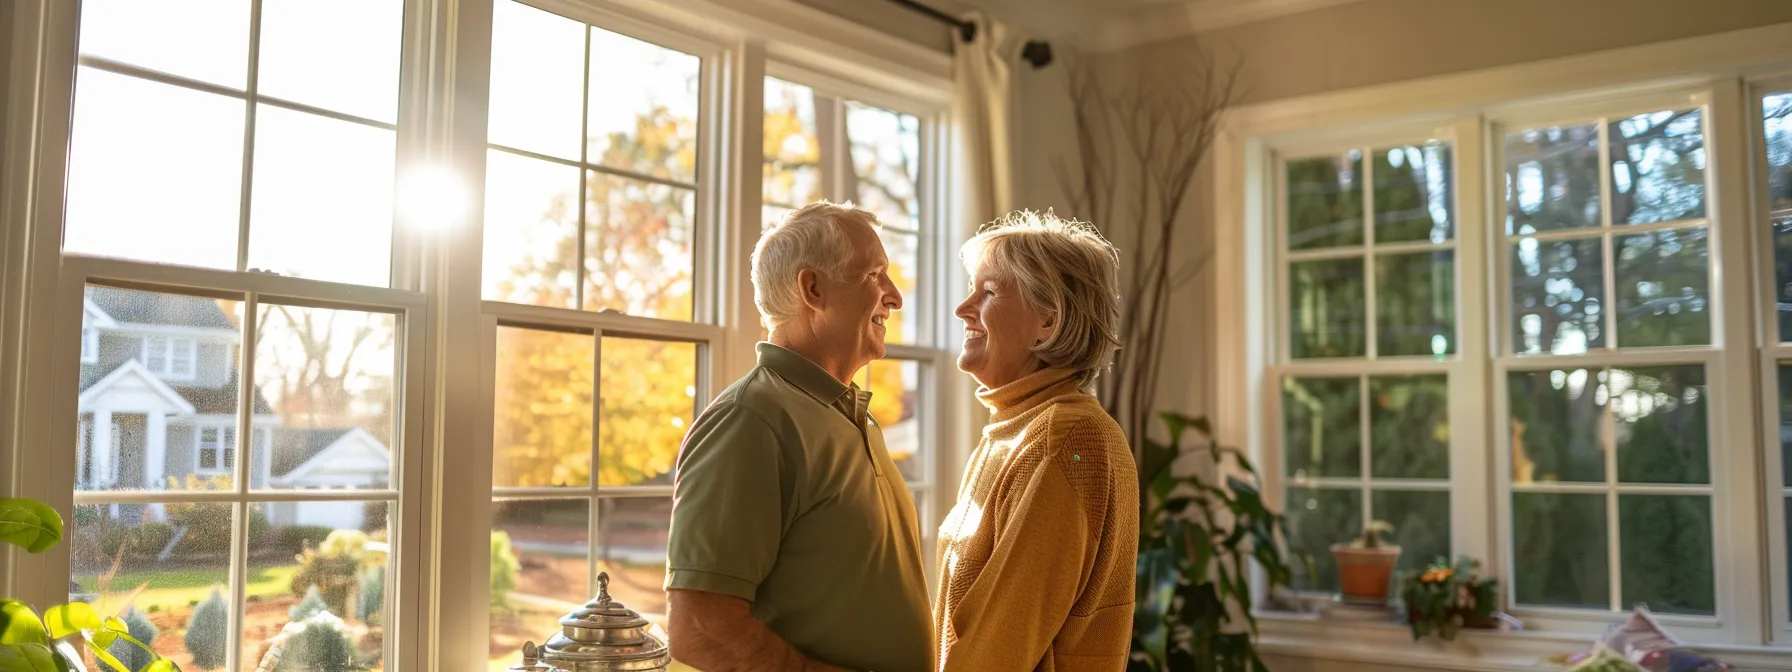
605, 635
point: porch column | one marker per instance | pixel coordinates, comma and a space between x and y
102, 448
155, 459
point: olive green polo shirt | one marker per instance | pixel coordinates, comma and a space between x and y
786, 497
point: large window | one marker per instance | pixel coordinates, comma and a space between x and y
593, 189
219, 167
1602, 377
1369, 255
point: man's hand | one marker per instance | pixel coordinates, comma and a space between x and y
717, 633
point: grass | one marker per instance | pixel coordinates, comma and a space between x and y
174, 589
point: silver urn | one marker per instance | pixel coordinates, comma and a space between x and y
602, 636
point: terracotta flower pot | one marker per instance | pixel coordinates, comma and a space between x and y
1364, 573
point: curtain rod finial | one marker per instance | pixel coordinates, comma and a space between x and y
1037, 52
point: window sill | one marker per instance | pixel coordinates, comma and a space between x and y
1309, 636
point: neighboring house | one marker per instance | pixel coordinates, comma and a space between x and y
159, 393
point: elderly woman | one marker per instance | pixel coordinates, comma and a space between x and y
1036, 559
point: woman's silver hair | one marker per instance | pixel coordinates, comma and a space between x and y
809, 238
1062, 267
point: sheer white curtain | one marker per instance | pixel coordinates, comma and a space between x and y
983, 70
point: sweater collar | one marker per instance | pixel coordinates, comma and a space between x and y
1018, 397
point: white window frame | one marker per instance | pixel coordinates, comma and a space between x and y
223, 442
171, 348
1580, 87
1773, 350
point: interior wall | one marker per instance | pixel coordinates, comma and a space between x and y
1379, 41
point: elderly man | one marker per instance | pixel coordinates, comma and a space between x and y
794, 543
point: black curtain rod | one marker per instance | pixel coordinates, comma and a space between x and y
1036, 52
966, 29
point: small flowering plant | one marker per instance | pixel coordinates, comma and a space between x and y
1445, 598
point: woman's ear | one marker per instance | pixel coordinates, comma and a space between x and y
1048, 327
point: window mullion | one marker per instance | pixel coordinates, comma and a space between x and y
1474, 488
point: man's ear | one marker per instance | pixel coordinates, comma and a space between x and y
809, 282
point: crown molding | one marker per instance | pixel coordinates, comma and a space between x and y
1163, 21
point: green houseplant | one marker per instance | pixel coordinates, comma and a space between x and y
1446, 598
32, 644
1196, 543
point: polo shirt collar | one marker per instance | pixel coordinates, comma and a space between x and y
797, 369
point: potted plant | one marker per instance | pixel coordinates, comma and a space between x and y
1366, 566
1446, 598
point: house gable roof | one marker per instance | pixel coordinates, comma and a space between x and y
133, 377
301, 451
128, 305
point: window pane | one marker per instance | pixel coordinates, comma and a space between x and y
895, 387
138, 422
1660, 424
1556, 425
1326, 306
1777, 129
642, 108
1318, 518
1658, 167
1409, 426
542, 423
1414, 193
185, 595
340, 549
329, 376
321, 201
631, 548
792, 145
886, 160
1558, 295
638, 247
541, 570
1322, 427
1421, 523
1785, 437
1663, 286
904, 252
649, 393
1325, 202
207, 40
357, 74
537, 81
1561, 550
184, 211
1665, 548
531, 231
1552, 179
1415, 304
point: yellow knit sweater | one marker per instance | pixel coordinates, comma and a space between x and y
1036, 560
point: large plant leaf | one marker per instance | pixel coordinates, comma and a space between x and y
1157, 575
1157, 458
20, 625
72, 618
29, 524
30, 657
160, 665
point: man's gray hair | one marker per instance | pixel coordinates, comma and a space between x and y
1062, 267
809, 238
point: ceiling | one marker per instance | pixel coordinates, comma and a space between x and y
1108, 25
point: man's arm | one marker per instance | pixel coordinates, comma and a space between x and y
717, 633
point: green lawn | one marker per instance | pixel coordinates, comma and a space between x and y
175, 589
